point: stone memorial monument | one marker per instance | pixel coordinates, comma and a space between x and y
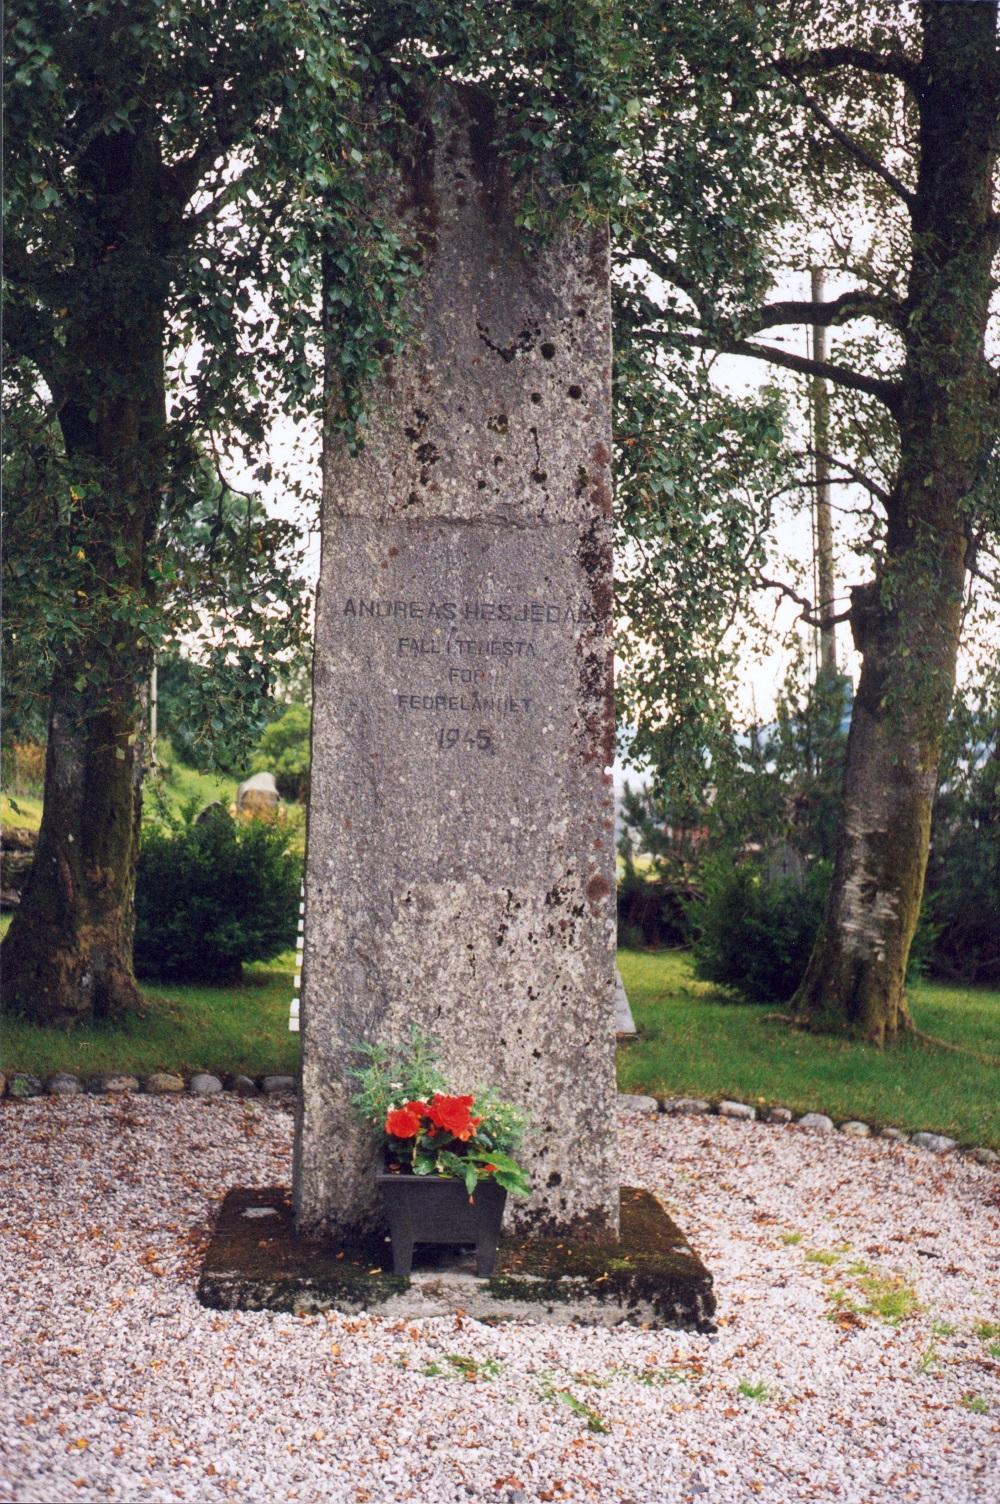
461, 866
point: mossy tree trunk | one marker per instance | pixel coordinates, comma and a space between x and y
906, 623
68, 954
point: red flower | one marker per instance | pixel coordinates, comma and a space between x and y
404, 1122
452, 1115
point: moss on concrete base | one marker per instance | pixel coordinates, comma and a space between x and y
649, 1276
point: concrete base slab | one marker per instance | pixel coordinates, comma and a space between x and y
650, 1277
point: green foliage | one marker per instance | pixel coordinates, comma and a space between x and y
213, 895
236, 618
961, 914
409, 1078
651, 907
755, 935
595, 1420
886, 1296
408, 1073
284, 750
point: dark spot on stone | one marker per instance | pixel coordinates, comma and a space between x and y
414, 431
548, 350
536, 396
575, 391
582, 478
413, 499
393, 552
498, 423
581, 313
539, 476
427, 453
598, 887
480, 485
554, 1179
602, 498
524, 342
599, 454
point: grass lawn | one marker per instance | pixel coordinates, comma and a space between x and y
178, 786
167, 794
21, 810
692, 1043
243, 1029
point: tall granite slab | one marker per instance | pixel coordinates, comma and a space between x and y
460, 867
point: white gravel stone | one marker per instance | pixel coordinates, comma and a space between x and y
687, 1105
63, 1084
896, 1135
118, 1386
22, 1084
985, 1156
204, 1085
633, 1102
816, 1122
737, 1110
778, 1115
935, 1143
112, 1082
856, 1129
278, 1086
163, 1083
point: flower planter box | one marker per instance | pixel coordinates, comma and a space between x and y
435, 1209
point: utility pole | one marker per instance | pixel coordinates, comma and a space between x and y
153, 711
821, 475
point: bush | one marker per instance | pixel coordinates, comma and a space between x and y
753, 935
651, 910
212, 895
960, 922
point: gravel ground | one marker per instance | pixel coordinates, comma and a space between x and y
117, 1385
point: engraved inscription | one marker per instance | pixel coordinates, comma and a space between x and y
457, 684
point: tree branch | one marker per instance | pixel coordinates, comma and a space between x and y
807, 613
854, 148
887, 392
854, 474
191, 223
29, 334
849, 305
825, 59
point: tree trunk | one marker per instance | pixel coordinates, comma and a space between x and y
68, 955
855, 980
906, 623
